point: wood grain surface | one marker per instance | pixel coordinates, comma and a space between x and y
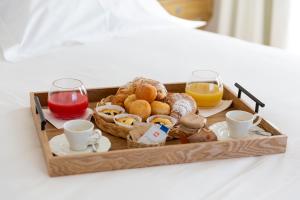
189, 9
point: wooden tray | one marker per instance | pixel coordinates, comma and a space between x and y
120, 157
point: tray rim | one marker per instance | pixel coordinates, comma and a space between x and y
49, 158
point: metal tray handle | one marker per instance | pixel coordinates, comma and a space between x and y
39, 110
258, 103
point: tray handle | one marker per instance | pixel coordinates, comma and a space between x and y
258, 103
38, 110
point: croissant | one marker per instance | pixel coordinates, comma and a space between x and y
181, 104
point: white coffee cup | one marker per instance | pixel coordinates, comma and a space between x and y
239, 122
80, 133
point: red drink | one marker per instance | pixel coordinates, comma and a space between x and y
68, 104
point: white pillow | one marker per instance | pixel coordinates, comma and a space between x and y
31, 27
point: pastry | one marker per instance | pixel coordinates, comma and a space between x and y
191, 124
130, 88
126, 120
161, 89
107, 112
205, 135
146, 92
129, 100
193, 129
160, 108
193, 121
181, 104
162, 120
141, 108
111, 112
119, 99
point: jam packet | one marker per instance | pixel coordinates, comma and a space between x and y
155, 134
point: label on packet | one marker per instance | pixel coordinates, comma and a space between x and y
154, 135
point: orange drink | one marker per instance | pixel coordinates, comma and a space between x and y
206, 87
205, 94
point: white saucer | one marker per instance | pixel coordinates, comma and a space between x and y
60, 146
222, 132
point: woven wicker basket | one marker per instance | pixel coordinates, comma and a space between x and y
122, 132
111, 128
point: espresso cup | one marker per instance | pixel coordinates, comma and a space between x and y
80, 133
239, 122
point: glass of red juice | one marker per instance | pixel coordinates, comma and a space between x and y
67, 99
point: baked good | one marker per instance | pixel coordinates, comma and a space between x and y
141, 108
160, 108
127, 120
131, 98
146, 92
193, 121
161, 121
181, 104
107, 112
119, 99
161, 89
205, 135
193, 129
111, 112
191, 124
131, 86
165, 120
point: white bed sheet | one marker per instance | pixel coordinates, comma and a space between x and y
168, 56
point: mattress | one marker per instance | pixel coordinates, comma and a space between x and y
169, 56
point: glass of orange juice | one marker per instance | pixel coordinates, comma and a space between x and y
206, 87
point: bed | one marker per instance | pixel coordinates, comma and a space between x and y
270, 73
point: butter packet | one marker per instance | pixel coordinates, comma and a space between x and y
154, 135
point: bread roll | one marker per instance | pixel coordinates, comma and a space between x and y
141, 108
161, 89
160, 108
129, 100
146, 92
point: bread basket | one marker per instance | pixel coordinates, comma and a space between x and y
122, 132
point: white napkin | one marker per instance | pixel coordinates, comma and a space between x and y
59, 123
207, 112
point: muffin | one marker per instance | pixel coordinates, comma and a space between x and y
160, 108
146, 92
141, 108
